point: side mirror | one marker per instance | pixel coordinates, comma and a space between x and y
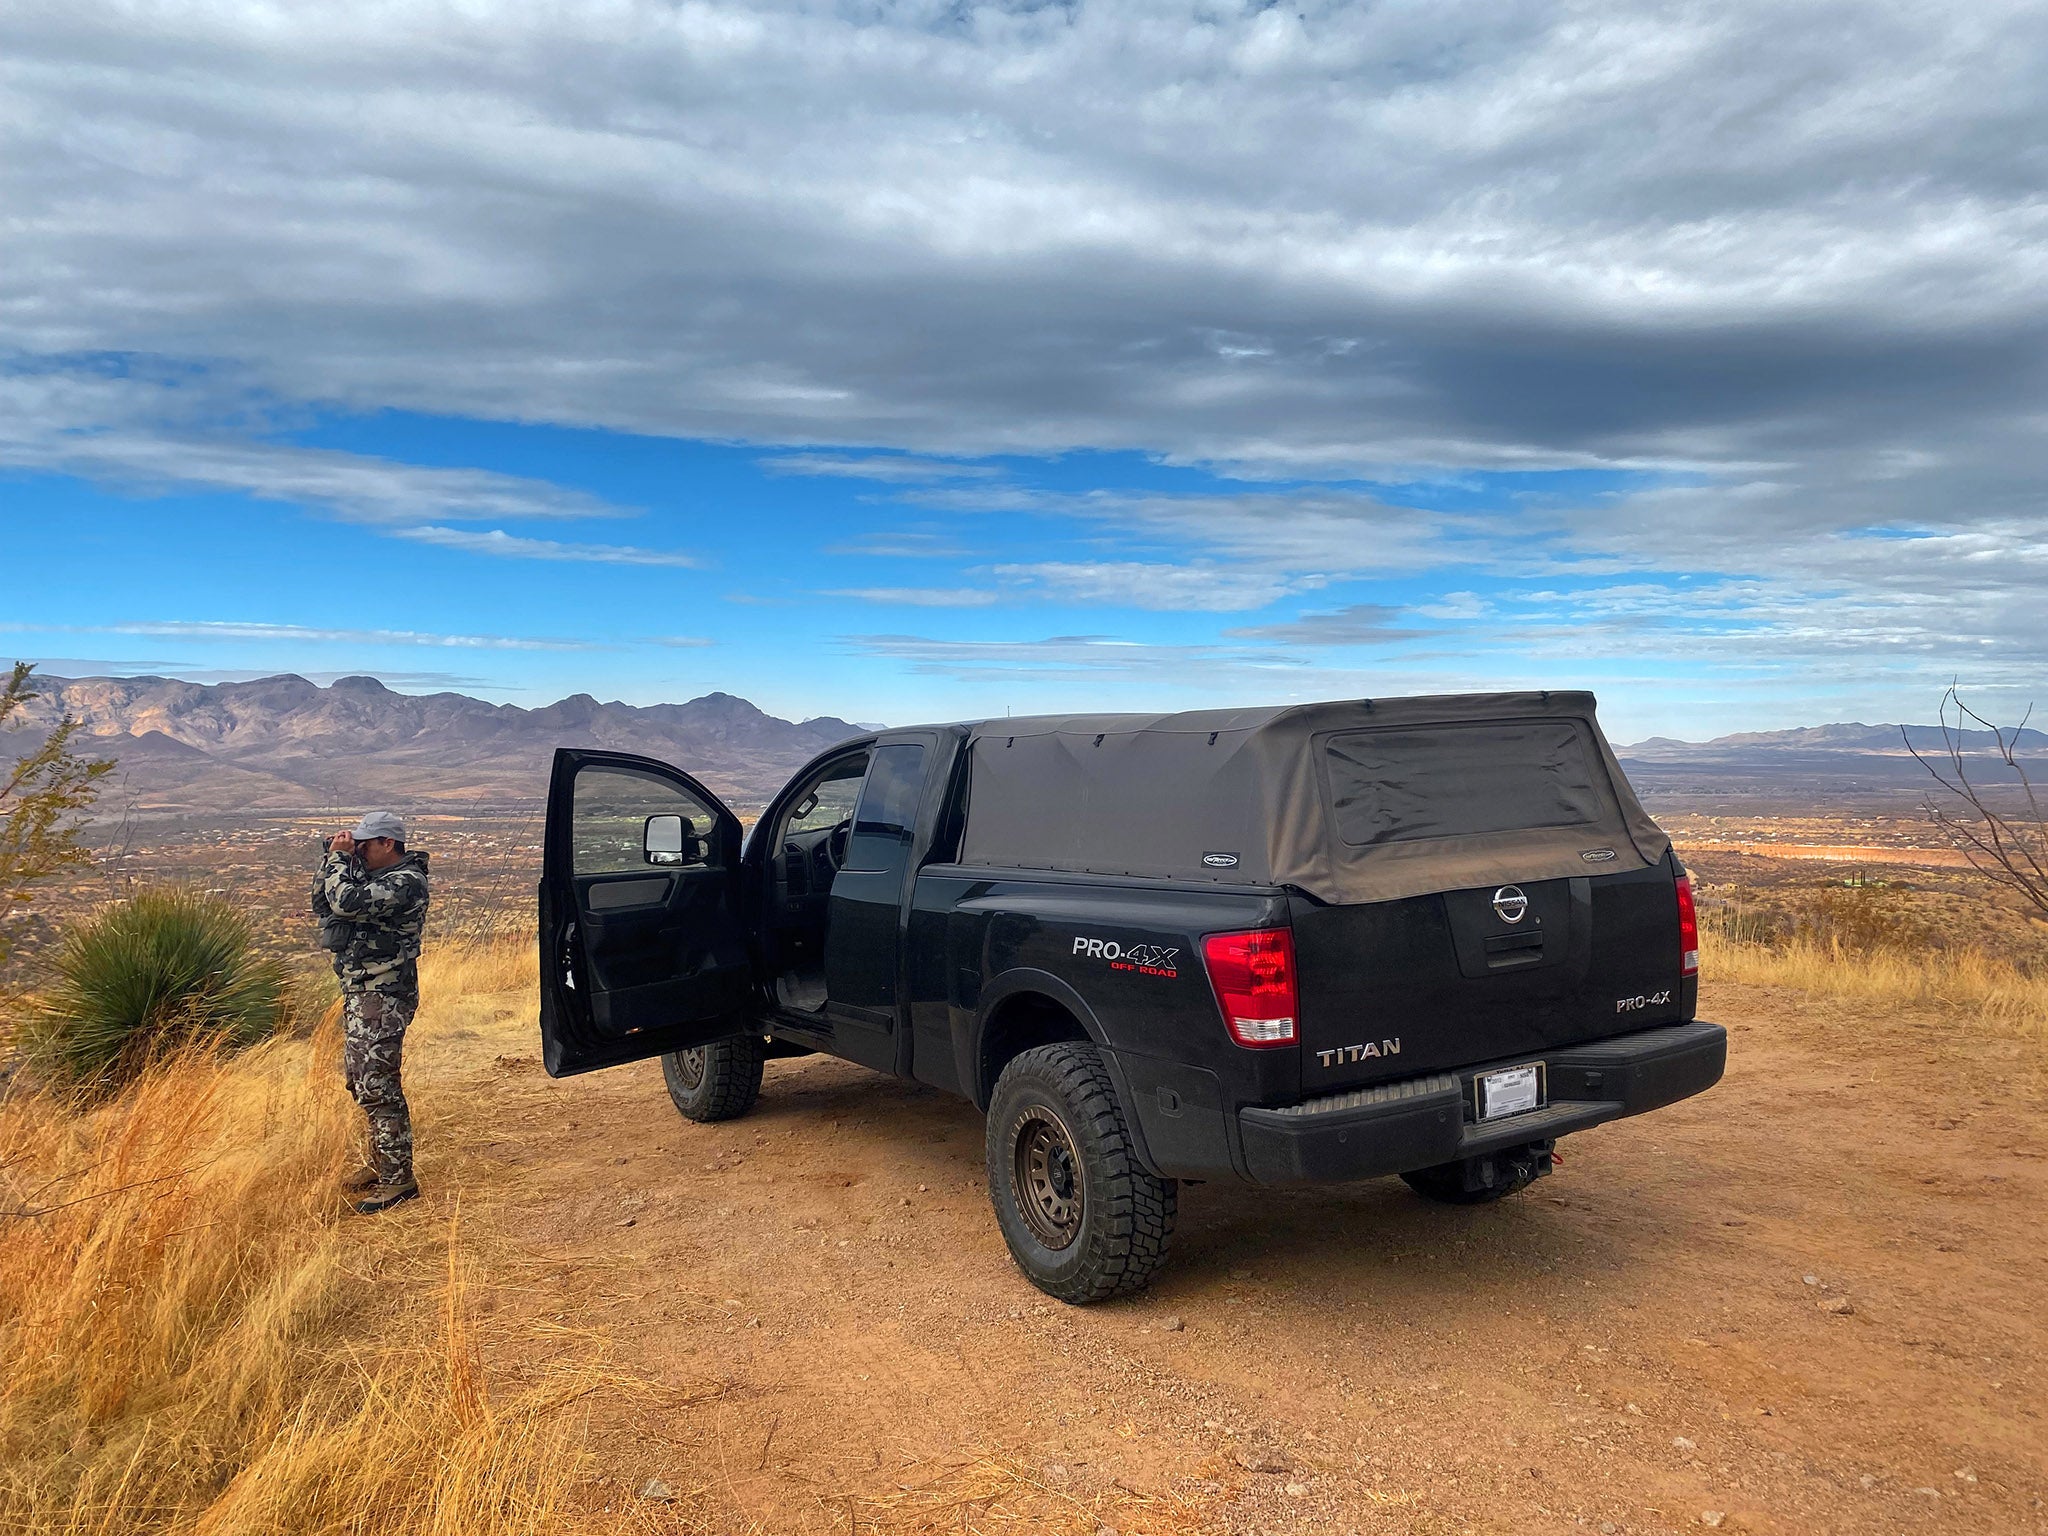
667, 840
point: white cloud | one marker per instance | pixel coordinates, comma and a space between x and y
1196, 588
923, 597
1454, 605
221, 629
1159, 586
1354, 624
166, 432
889, 468
903, 544
1033, 660
1346, 235
495, 541
1294, 540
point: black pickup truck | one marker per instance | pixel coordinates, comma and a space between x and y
1312, 943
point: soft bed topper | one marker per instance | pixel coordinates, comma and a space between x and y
1350, 801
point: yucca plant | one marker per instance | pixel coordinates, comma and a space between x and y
163, 969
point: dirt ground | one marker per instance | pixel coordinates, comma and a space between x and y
1813, 1300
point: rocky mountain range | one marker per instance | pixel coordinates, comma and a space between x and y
286, 744
283, 743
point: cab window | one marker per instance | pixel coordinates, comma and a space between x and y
886, 819
830, 801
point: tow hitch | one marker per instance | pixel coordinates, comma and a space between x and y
1509, 1169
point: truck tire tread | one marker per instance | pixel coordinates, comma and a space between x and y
1127, 1223
729, 1085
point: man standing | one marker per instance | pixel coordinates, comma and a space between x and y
371, 900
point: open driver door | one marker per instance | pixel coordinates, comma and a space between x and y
642, 947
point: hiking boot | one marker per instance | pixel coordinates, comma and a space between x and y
360, 1180
383, 1196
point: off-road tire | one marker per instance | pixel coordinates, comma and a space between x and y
719, 1081
1445, 1183
1059, 1099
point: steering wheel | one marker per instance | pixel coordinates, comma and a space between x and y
835, 845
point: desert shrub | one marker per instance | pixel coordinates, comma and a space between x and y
161, 970
1741, 923
43, 798
1862, 920
1856, 920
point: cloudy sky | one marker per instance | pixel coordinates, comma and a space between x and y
924, 360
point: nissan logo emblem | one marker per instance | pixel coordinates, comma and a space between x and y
1509, 904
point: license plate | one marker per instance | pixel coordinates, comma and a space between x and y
1509, 1091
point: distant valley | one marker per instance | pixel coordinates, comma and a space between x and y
1820, 768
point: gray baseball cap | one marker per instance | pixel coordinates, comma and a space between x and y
380, 824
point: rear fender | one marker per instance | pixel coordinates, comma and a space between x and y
1026, 982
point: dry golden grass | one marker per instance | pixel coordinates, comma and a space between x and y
1966, 985
194, 1338
504, 963
1897, 949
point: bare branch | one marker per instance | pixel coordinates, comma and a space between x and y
2009, 848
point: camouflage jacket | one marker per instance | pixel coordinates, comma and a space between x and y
373, 922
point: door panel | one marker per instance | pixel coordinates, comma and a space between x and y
611, 895
643, 949
863, 930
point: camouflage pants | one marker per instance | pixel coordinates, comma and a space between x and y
372, 1054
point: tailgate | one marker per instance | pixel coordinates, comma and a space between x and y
1396, 988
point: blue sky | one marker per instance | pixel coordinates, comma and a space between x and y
897, 585
927, 361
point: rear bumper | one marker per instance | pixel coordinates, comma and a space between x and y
1424, 1121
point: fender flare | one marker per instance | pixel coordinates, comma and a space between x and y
1024, 981
1027, 981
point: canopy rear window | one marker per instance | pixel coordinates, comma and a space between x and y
1397, 786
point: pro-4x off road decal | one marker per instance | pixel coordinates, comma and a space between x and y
1145, 959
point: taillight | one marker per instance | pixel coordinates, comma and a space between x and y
1253, 974
1688, 930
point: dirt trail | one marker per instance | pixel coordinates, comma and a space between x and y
1812, 1301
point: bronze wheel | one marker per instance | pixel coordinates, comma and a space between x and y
1050, 1186
690, 1069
